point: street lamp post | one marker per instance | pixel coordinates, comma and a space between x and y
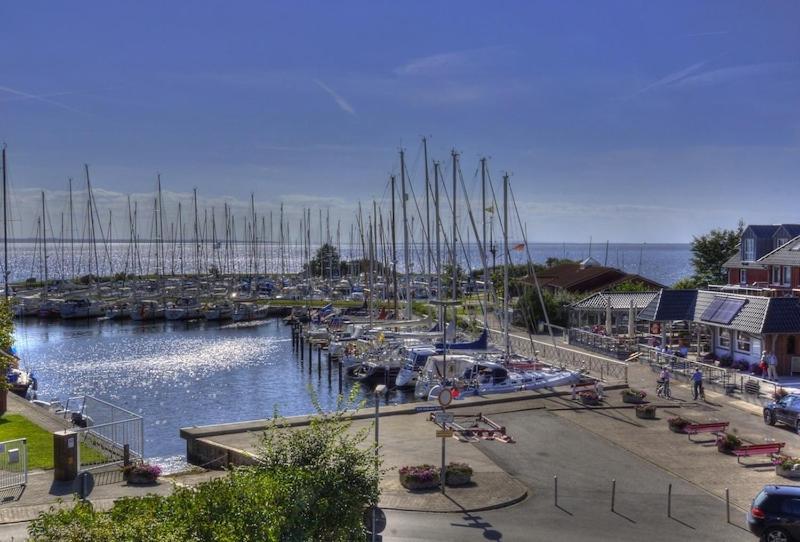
444, 303
380, 389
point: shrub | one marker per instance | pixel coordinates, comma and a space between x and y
727, 442
458, 474
419, 476
787, 462
312, 483
634, 394
678, 423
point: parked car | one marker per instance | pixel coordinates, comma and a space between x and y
785, 410
775, 514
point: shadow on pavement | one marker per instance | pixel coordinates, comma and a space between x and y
477, 522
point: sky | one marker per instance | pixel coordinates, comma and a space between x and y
623, 121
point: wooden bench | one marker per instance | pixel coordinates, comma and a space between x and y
715, 427
770, 449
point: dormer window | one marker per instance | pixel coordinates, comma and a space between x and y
749, 249
781, 241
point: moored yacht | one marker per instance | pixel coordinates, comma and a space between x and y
81, 308
247, 311
184, 308
147, 309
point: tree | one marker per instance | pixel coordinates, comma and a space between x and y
325, 260
686, 283
529, 313
711, 250
631, 286
311, 483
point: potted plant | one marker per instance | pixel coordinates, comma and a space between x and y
458, 474
589, 397
677, 424
141, 473
787, 466
647, 412
634, 396
727, 442
419, 477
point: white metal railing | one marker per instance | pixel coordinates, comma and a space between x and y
613, 346
609, 370
13, 463
730, 379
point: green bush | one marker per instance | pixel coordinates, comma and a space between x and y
313, 483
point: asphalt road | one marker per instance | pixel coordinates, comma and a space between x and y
585, 465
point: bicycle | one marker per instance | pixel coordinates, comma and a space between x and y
662, 389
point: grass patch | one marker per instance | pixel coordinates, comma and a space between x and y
40, 442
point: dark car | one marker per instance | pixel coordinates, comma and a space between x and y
775, 514
785, 410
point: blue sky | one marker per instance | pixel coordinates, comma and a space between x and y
628, 121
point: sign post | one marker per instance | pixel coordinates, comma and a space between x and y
445, 398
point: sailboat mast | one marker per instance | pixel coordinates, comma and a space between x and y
505, 267
71, 232
454, 293
406, 253
438, 239
485, 264
394, 251
427, 210
5, 224
44, 246
196, 237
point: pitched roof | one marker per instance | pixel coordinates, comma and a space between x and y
763, 230
578, 278
791, 229
757, 315
618, 300
788, 254
670, 305
750, 318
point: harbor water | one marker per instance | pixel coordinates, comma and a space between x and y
178, 374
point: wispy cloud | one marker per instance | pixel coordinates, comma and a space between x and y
724, 75
44, 98
343, 104
669, 79
450, 62
711, 33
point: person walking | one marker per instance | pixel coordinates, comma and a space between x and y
772, 366
762, 365
697, 383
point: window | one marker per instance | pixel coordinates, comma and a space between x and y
743, 342
724, 339
776, 274
749, 249
787, 275
755, 347
781, 241
743, 276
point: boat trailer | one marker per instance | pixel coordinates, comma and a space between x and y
475, 427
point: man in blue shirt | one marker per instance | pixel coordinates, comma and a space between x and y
697, 383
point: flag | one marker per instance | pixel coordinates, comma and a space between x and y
519, 247
490, 209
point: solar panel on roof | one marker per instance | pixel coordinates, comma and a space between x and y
723, 310
712, 308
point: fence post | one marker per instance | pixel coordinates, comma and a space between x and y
613, 493
126, 454
669, 501
555, 486
727, 505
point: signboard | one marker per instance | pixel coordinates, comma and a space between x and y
445, 397
443, 417
427, 409
444, 433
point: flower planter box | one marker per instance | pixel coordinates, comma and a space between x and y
676, 429
419, 477
646, 413
590, 401
458, 479
141, 479
787, 473
632, 399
